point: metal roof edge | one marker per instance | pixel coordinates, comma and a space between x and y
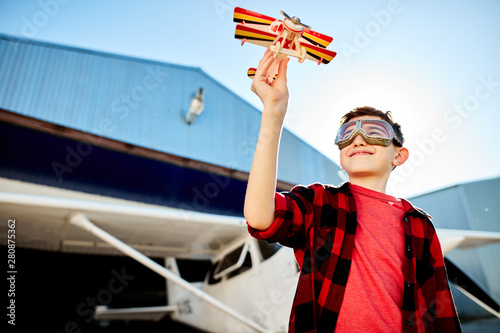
72, 48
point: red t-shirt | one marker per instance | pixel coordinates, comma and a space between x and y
378, 254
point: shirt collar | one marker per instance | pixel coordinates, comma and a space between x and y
409, 208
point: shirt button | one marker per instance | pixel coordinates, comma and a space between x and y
408, 249
408, 284
408, 322
406, 219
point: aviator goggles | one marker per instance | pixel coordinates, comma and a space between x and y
374, 132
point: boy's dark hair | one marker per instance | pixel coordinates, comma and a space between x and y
369, 111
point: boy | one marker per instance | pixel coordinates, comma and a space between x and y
368, 262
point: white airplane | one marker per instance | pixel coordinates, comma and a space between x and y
249, 287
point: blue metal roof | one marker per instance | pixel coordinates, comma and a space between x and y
143, 103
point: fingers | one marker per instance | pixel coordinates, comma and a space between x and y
269, 66
263, 82
282, 68
262, 72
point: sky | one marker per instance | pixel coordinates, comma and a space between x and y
434, 64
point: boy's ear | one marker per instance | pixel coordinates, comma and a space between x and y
401, 157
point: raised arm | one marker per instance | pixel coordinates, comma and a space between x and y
259, 199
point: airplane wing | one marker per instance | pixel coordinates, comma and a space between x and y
42, 216
451, 239
253, 27
161, 231
462, 239
315, 38
318, 54
137, 230
254, 35
467, 285
42, 223
243, 15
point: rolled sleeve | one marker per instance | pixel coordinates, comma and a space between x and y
287, 227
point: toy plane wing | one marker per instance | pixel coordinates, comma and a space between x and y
319, 54
254, 35
248, 16
315, 38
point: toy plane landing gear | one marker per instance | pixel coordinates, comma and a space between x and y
288, 37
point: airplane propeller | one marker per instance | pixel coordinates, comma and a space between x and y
295, 20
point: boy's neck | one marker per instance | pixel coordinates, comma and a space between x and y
375, 184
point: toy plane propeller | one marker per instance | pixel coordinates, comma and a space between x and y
288, 37
295, 20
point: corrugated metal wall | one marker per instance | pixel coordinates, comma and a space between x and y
470, 206
143, 103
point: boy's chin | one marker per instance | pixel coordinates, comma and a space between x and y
363, 172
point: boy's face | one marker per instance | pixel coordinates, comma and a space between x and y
360, 159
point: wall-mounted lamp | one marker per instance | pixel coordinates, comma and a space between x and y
196, 107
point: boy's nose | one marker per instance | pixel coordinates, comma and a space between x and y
359, 141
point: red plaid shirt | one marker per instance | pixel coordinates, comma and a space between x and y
319, 222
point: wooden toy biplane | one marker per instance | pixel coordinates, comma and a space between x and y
288, 37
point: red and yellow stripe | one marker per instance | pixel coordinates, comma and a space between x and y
248, 16
319, 53
246, 32
316, 38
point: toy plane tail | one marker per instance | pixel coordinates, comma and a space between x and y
251, 73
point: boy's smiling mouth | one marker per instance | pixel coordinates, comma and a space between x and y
360, 153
